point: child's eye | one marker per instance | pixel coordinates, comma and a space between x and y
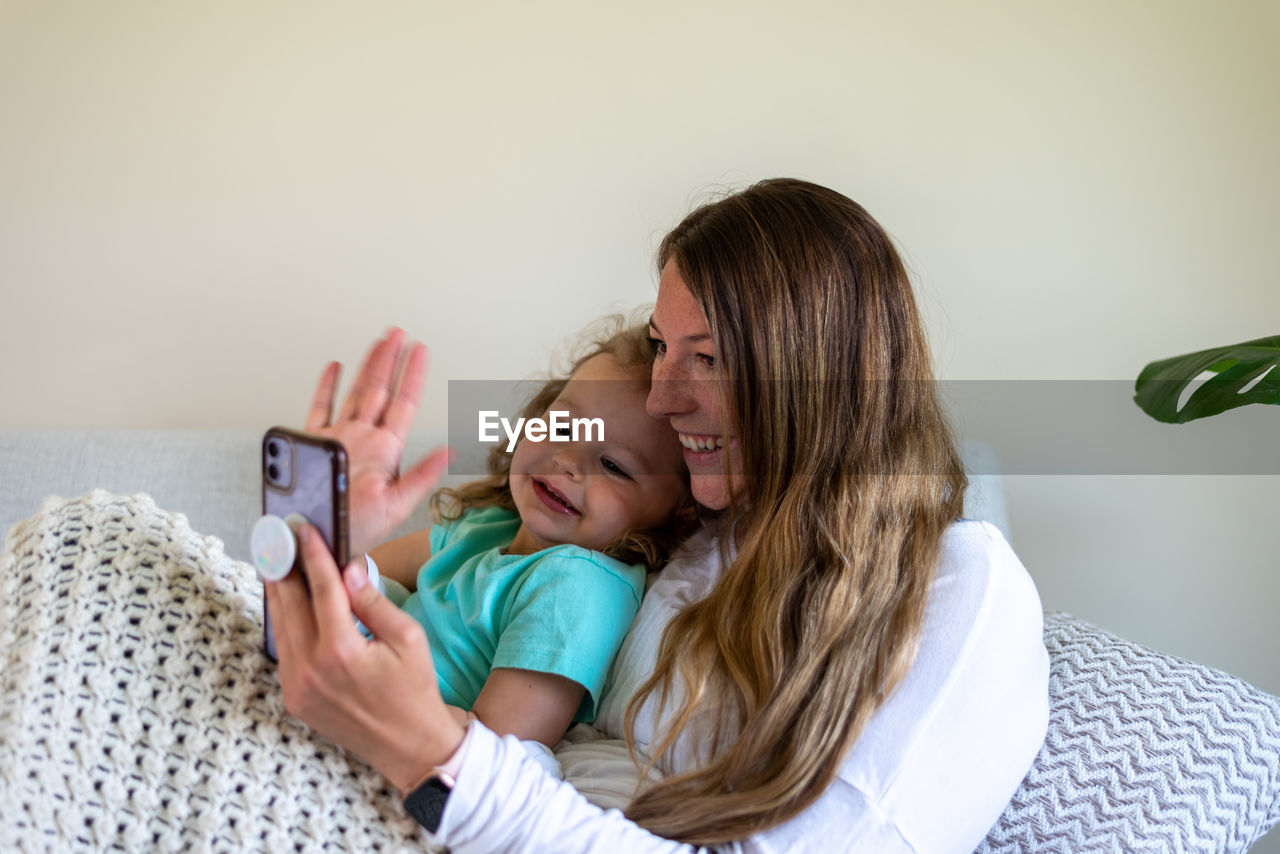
613, 468
563, 432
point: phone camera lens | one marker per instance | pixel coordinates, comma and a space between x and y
273, 449
273, 471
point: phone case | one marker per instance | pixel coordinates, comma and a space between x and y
306, 475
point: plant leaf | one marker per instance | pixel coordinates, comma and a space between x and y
1235, 366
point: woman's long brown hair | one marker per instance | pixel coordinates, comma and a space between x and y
850, 479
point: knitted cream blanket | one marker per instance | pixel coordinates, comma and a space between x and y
137, 710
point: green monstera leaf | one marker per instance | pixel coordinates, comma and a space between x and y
1242, 373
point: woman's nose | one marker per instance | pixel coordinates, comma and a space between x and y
669, 393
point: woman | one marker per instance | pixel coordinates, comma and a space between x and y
836, 663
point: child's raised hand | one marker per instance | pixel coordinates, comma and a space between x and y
373, 425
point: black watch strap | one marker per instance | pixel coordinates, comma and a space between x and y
426, 803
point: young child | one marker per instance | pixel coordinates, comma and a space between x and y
531, 577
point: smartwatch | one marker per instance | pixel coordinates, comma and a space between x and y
426, 803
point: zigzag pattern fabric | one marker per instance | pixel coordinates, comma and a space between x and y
1145, 752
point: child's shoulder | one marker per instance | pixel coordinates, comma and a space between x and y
574, 559
487, 523
486, 516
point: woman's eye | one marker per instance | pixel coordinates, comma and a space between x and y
659, 346
707, 360
563, 432
613, 468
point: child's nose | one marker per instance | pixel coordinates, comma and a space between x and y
566, 460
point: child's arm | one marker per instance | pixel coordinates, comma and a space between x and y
401, 559
528, 704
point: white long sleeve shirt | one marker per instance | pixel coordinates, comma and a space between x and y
931, 772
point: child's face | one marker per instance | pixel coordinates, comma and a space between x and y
589, 493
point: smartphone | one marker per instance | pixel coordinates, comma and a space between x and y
306, 475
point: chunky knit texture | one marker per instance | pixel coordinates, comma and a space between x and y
137, 710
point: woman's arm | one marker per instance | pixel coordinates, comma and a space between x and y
402, 558
503, 801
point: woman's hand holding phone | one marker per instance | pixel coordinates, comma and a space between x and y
376, 697
373, 425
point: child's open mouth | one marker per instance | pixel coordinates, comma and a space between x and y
554, 499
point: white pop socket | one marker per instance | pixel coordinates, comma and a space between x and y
273, 547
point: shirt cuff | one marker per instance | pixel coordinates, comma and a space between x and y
453, 764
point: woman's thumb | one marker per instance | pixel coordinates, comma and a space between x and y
378, 613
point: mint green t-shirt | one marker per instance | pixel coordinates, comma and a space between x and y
562, 610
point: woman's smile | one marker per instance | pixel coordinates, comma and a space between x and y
701, 443
704, 452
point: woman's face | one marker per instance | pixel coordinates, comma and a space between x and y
686, 391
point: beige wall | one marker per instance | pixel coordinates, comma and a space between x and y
202, 202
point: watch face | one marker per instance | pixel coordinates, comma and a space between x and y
426, 803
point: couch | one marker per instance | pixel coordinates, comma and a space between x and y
1145, 752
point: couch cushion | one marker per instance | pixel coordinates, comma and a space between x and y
1145, 752
211, 476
